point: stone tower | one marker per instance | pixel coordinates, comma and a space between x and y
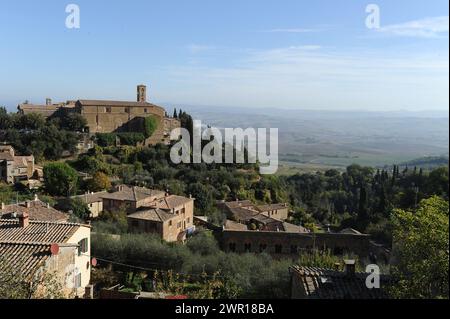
141, 93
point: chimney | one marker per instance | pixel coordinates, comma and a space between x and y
36, 198
48, 101
141, 93
24, 220
3, 206
28, 204
350, 267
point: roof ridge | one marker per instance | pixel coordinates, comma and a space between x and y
10, 221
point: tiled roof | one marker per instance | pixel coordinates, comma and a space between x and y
235, 204
243, 214
157, 215
291, 228
23, 257
92, 197
22, 161
6, 156
37, 210
115, 103
37, 231
270, 207
319, 283
171, 201
232, 225
133, 193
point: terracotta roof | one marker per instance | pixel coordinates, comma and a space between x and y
236, 204
6, 156
22, 161
36, 209
157, 215
171, 201
243, 214
320, 283
115, 103
92, 197
37, 231
232, 225
270, 207
26, 257
291, 228
133, 193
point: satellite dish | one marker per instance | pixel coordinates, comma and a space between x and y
94, 262
54, 249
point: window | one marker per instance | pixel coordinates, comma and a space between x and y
108, 109
232, 247
128, 110
145, 110
77, 281
248, 247
170, 223
188, 220
278, 249
83, 246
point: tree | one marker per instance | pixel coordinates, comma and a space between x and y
77, 207
99, 182
60, 179
421, 248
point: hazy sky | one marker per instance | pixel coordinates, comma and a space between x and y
250, 53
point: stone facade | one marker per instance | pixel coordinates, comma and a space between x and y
104, 116
291, 243
15, 168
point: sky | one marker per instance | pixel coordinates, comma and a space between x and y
244, 53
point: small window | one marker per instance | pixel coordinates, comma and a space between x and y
189, 220
77, 280
170, 223
145, 110
83, 246
278, 249
262, 248
108, 109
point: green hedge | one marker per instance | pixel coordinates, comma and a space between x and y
150, 126
126, 138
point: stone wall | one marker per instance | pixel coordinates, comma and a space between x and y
283, 243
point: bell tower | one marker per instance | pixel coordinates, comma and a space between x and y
141, 93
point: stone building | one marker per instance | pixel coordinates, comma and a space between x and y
94, 201
244, 210
60, 249
15, 168
129, 198
36, 210
171, 217
105, 116
292, 240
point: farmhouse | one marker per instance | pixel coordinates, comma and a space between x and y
59, 249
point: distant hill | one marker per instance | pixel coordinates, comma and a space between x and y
427, 163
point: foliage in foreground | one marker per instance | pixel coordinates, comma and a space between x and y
421, 248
